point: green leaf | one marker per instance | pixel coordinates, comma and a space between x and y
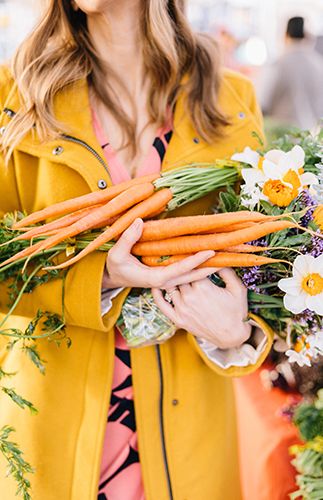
34, 356
229, 201
270, 209
17, 466
4, 374
309, 420
19, 400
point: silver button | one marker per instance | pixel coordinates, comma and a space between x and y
196, 140
2, 130
242, 115
102, 184
58, 150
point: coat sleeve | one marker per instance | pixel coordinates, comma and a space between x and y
82, 302
83, 283
235, 370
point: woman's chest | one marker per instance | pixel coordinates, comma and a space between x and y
130, 135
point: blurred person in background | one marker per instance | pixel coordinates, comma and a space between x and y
292, 89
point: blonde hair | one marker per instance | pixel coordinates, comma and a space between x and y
59, 52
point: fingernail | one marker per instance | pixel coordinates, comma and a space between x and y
209, 254
138, 223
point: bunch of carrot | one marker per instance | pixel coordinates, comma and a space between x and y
164, 242
115, 208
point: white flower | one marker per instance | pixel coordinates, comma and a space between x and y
315, 341
252, 176
305, 289
278, 174
250, 196
278, 164
249, 156
301, 358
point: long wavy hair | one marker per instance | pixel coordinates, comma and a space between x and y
60, 52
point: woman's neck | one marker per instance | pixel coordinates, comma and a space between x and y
115, 34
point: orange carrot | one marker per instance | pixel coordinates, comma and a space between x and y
245, 248
178, 226
45, 229
26, 252
84, 201
143, 209
233, 227
217, 241
158, 212
119, 204
221, 259
107, 222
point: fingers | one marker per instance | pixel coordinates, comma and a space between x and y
174, 295
186, 265
129, 238
190, 277
163, 305
232, 281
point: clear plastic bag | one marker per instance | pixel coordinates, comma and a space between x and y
142, 322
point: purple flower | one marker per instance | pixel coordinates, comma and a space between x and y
309, 320
317, 246
251, 278
307, 201
258, 243
305, 317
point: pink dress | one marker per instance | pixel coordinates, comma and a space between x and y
120, 477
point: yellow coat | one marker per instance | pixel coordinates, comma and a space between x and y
184, 403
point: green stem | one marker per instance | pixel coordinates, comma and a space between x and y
23, 288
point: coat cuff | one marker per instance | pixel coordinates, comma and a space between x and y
107, 295
241, 360
246, 354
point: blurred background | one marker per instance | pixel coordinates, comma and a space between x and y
252, 38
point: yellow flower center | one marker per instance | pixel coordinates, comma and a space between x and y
280, 194
313, 284
318, 216
301, 343
292, 177
261, 163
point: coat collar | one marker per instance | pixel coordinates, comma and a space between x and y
72, 108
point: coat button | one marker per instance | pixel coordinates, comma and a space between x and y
175, 402
102, 184
58, 150
196, 140
242, 115
2, 130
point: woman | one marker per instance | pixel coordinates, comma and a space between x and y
94, 86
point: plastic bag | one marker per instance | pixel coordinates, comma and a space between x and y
142, 322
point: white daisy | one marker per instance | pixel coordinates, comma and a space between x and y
278, 175
304, 290
301, 358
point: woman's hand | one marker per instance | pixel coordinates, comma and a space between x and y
125, 270
208, 311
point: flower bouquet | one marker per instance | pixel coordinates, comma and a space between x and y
288, 292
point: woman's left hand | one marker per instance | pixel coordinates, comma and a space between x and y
208, 311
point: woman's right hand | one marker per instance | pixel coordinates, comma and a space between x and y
125, 270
